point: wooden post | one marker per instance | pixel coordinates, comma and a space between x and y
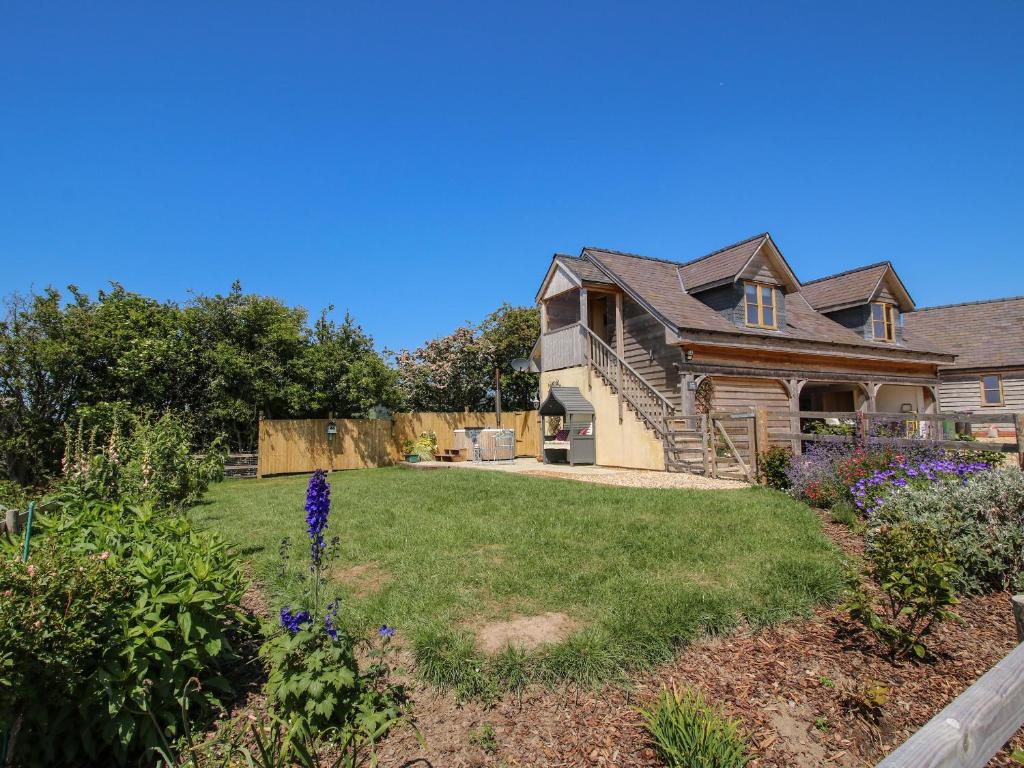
1017, 603
752, 446
704, 443
620, 346
761, 428
793, 387
1018, 425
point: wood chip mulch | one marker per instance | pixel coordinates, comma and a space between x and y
799, 690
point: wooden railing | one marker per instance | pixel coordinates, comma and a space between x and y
652, 406
562, 348
931, 431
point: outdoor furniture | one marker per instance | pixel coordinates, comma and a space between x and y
481, 443
575, 441
505, 446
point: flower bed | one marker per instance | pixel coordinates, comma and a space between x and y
870, 491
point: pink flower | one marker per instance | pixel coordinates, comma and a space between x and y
104, 555
32, 571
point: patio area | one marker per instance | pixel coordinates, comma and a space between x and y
587, 473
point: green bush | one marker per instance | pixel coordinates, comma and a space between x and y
773, 467
915, 574
981, 523
690, 734
164, 617
114, 455
845, 513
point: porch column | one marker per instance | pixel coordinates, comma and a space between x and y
688, 393
584, 336
793, 388
620, 347
872, 388
933, 429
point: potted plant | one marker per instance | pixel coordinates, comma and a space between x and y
409, 449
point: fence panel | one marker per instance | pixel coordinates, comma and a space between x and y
302, 445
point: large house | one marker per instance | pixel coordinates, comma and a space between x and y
987, 338
651, 340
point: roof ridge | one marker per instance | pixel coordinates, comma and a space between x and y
970, 303
675, 261
885, 263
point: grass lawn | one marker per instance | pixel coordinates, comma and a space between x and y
440, 554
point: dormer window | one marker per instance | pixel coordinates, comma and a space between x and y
883, 321
759, 305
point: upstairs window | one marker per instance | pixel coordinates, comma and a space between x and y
759, 305
992, 390
883, 322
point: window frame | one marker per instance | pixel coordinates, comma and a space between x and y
999, 381
760, 306
888, 322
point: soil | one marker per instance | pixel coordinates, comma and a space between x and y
799, 689
364, 580
526, 632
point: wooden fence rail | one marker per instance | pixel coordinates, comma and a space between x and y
978, 722
862, 419
302, 445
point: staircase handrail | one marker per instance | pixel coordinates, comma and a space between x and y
656, 420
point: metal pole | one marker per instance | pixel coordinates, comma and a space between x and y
497, 394
28, 530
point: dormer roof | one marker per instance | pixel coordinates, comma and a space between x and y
874, 282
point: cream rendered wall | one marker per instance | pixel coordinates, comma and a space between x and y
629, 444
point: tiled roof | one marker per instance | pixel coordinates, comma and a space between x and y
722, 264
982, 334
659, 284
855, 286
583, 269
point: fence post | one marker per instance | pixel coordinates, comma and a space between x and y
761, 428
1018, 426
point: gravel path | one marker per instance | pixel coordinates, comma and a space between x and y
637, 478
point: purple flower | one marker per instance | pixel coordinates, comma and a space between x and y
318, 507
386, 632
330, 617
293, 621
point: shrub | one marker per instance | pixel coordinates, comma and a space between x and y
915, 574
773, 466
690, 734
869, 492
125, 457
166, 618
981, 522
844, 512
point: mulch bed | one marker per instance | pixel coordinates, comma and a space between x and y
796, 688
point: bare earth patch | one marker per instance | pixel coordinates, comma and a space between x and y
364, 579
526, 632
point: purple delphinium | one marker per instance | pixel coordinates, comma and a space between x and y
293, 621
330, 620
318, 507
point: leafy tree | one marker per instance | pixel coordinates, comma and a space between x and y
455, 372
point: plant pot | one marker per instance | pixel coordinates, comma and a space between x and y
412, 458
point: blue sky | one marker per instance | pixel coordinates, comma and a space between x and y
418, 164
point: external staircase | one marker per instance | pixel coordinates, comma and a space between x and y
697, 444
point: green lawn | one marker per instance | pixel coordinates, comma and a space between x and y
641, 571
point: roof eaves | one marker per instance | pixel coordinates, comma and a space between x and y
635, 295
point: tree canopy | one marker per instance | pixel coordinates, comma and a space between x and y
219, 361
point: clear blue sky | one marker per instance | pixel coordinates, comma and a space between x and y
418, 164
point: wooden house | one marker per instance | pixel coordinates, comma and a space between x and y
653, 341
987, 338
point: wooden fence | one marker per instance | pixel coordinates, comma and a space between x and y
977, 723
302, 445
930, 426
